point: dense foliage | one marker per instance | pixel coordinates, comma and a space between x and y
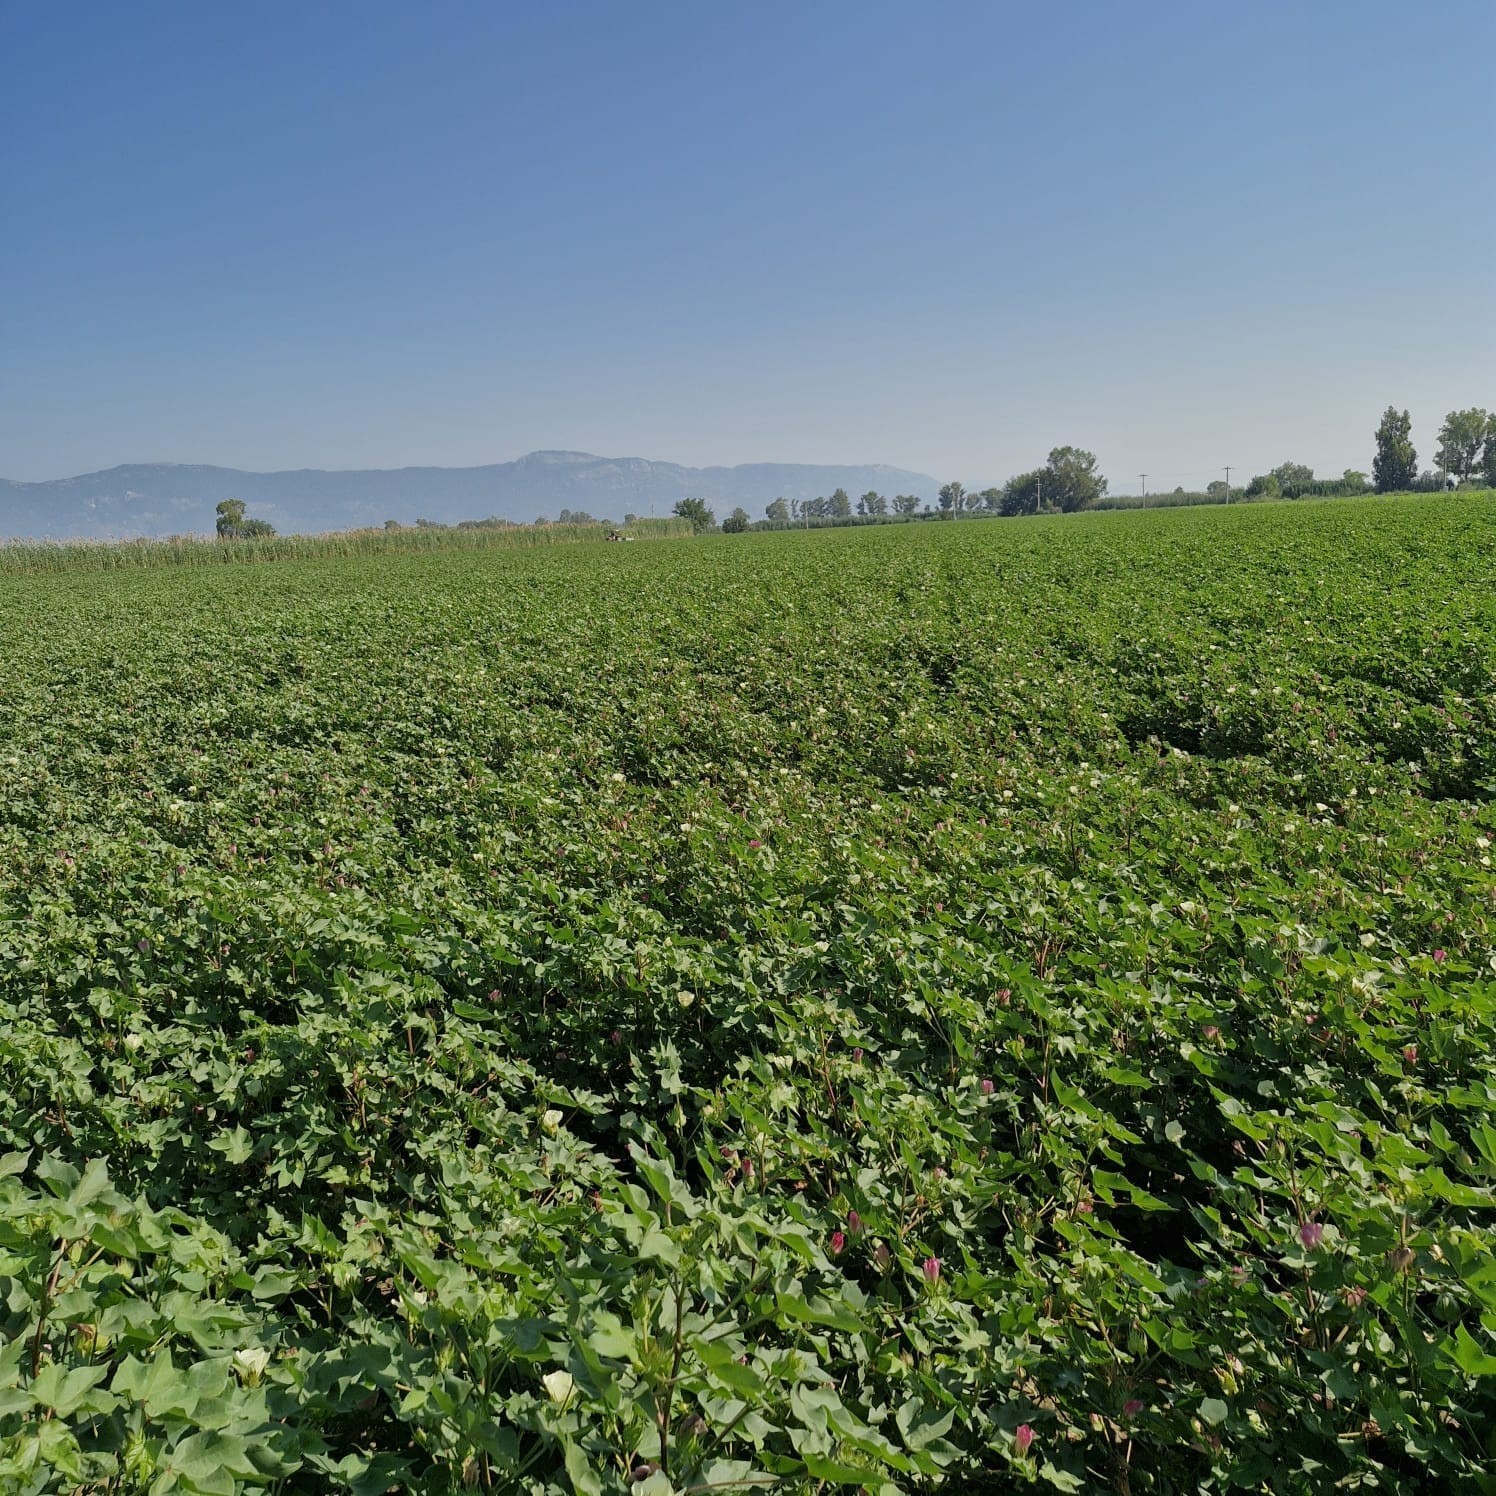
27, 558
948, 1006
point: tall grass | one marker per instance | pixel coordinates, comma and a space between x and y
37, 557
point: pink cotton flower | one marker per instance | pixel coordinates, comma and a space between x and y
1410, 1055
987, 1086
931, 1270
882, 1256
1023, 1436
1133, 1406
854, 1223
1311, 1233
838, 1242
1439, 954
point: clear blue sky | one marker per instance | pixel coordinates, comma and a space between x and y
947, 236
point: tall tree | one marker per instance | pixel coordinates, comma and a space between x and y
1395, 466
841, 504
736, 522
1462, 439
230, 519
778, 511
696, 511
872, 504
991, 498
1022, 494
951, 495
905, 503
1292, 475
1071, 481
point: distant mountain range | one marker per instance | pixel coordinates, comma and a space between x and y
166, 498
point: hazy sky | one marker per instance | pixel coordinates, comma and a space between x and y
946, 236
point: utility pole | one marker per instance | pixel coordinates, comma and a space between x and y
1143, 477
1039, 495
1228, 485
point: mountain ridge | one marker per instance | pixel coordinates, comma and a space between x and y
162, 498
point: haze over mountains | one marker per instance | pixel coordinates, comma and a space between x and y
174, 498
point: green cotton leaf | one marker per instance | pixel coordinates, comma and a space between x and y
1061, 1480
660, 1177
723, 1366
15, 1400
656, 1245
616, 1341
58, 1175
236, 1145
586, 1479
14, 1163
93, 1182
273, 1282
65, 1391
727, 1475
824, 1467
1468, 1355
819, 1311
919, 1425
210, 1460
1214, 1411
163, 1389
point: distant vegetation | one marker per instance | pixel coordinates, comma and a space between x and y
234, 524
1070, 480
21, 558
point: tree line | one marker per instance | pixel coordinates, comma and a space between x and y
1466, 452
1070, 480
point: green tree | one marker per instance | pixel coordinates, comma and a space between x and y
992, 498
1394, 469
779, 512
951, 495
256, 529
736, 522
1354, 479
1071, 481
1462, 439
905, 503
230, 519
1292, 475
872, 504
841, 504
1022, 494
696, 511
1490, 459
